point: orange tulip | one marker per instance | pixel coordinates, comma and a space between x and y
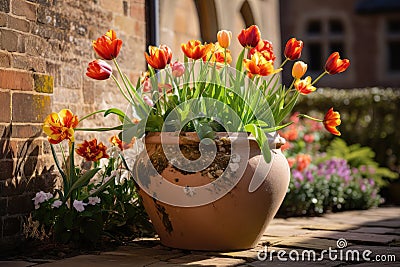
265, 48
159, 57
217, 54
250, 37
303, 160
304, 86
293, 49
60, 126
195, 50
299, 69
258, 65
336, 65
92, 151
108, 45
224, 38
331, 120
115, 141
99, 70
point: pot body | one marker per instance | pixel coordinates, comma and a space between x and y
234, 221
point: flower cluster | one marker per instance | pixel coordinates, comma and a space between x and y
331, 185
155, 96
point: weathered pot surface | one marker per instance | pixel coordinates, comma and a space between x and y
213, 208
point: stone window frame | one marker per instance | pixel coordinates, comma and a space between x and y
324, 16
385, 74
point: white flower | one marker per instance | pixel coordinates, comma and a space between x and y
79, 205
234, 166
113, 152
37, 206
93, 200
41, 197
56, 204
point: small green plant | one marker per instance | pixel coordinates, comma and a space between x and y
362, 158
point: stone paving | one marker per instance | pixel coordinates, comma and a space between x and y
335, 239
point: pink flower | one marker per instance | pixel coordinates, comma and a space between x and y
148, 100
41, 197
56, 204
79, 205
178, 69
93, 200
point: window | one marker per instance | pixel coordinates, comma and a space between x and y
393, 45
323, 36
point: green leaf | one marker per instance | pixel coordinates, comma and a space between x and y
121, 115
82, 181
261, 139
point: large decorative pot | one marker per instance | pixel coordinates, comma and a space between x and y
226, 205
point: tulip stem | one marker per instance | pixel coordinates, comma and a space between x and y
120, 89
283, 63
91, 114
123, 79
319, 77
309, 117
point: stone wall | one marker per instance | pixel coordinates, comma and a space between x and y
45, 46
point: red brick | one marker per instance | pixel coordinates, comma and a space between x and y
137, 11
6, 166
26, 130
18, 24
3, 19
23, 8
35, 64
11, 225
30, 108
3, 206
5, 61
20, 204
16, 80
9, 40
5, 107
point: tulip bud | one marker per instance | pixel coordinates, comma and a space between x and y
146, 85
299, 69
148, 100
178, 69
224, 38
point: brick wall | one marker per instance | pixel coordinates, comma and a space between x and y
45, 46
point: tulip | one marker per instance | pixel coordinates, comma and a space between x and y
60, 126
331, 120
265, 48
336, 65
258, 65
159, 57
224, 38
299, 69
293, 49
195, 50
304, 86
115, 141
92, 151
108, 45
146, 84
250, 37
99, 70
178, 69
218, 54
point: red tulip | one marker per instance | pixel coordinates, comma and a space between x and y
331, 120
293, 49
336, 65
195, 50
99, 70
265, 48
108, 45
92, 151
159, 57
250, 37
60, 126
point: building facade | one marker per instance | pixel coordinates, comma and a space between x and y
365, 31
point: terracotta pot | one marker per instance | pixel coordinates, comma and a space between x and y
234, 221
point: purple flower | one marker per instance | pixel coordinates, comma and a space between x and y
79, 205
56, 204
41, 197
93, 200
297, 175
309, 175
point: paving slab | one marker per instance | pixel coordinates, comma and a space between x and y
376, 230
